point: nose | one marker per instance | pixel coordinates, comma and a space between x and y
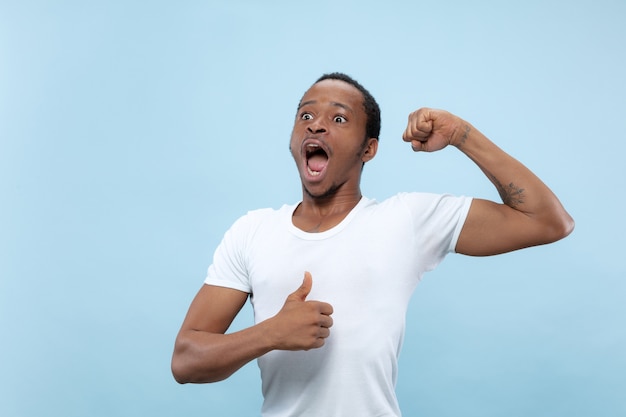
316, 126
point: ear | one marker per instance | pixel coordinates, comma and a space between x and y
370, 149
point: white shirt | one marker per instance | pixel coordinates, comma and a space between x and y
366, 267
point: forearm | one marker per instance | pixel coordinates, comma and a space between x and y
204, 353
201, 357
519, 188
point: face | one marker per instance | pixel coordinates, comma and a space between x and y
328, 141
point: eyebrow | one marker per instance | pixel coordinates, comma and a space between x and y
333, 103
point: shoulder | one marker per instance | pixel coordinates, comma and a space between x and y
422, 199
425, 205
254, 219
263, 214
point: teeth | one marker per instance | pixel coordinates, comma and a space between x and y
313, 173
310, 148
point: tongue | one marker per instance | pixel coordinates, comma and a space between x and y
317, 162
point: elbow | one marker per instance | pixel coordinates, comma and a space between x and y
187, 369
184, 374
561, 227
178, 377
182, 365
179, 370
568, 226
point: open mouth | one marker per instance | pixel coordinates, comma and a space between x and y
316, 159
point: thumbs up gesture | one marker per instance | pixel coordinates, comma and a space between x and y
301, 324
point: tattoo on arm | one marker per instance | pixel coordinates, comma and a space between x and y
511, 194
466, 131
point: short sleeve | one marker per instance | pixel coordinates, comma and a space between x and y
229, 267
437, 221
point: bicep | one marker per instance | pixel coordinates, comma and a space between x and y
213, 309
492, 228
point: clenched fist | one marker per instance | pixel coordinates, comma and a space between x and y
430, 130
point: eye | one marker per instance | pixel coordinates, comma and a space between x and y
306, 116
339, 119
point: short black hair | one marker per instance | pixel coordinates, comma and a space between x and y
372, 111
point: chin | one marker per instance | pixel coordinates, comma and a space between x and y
321, 194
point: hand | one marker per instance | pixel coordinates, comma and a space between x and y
431, 130
301, 324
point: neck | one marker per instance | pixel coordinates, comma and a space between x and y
338, 202
320, 214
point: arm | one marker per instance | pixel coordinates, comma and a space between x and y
530, 213
204, 353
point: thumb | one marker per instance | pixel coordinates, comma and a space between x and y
417, 145
303, 291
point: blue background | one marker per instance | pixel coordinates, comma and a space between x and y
132, 134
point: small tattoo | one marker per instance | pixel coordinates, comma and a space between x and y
511, 194
465, 135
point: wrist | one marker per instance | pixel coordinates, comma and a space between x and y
267, 335
462, 133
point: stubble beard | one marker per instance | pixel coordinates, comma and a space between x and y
330, 192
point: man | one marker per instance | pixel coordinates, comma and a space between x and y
360, 258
